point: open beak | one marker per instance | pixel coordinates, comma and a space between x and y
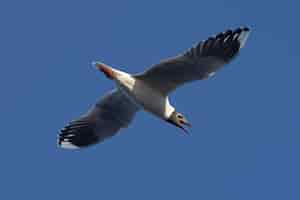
184, 130
181, 125
186, 123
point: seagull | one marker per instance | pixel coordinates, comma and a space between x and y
149, 90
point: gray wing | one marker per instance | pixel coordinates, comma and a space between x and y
199, 62
111, 113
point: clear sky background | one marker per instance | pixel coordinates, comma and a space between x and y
244, 143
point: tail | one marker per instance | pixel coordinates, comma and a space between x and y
107, 70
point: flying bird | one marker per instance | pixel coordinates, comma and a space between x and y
149, 90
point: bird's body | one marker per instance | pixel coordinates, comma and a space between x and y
149, 90
150, 99
141, 93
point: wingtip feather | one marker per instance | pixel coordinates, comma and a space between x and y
67, 145
243, 36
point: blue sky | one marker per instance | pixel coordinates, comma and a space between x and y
245, 140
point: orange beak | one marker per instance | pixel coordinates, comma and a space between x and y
109, 73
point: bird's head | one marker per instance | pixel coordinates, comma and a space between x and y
179, 120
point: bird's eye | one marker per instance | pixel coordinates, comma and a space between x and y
179, 116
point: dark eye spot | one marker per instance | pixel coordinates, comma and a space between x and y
179, 116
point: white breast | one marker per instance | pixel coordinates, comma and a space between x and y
148, 98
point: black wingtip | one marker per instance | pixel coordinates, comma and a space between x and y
243, 33
64, 141
76, 135
246, 28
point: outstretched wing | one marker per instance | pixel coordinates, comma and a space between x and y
199, 62
113, 112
